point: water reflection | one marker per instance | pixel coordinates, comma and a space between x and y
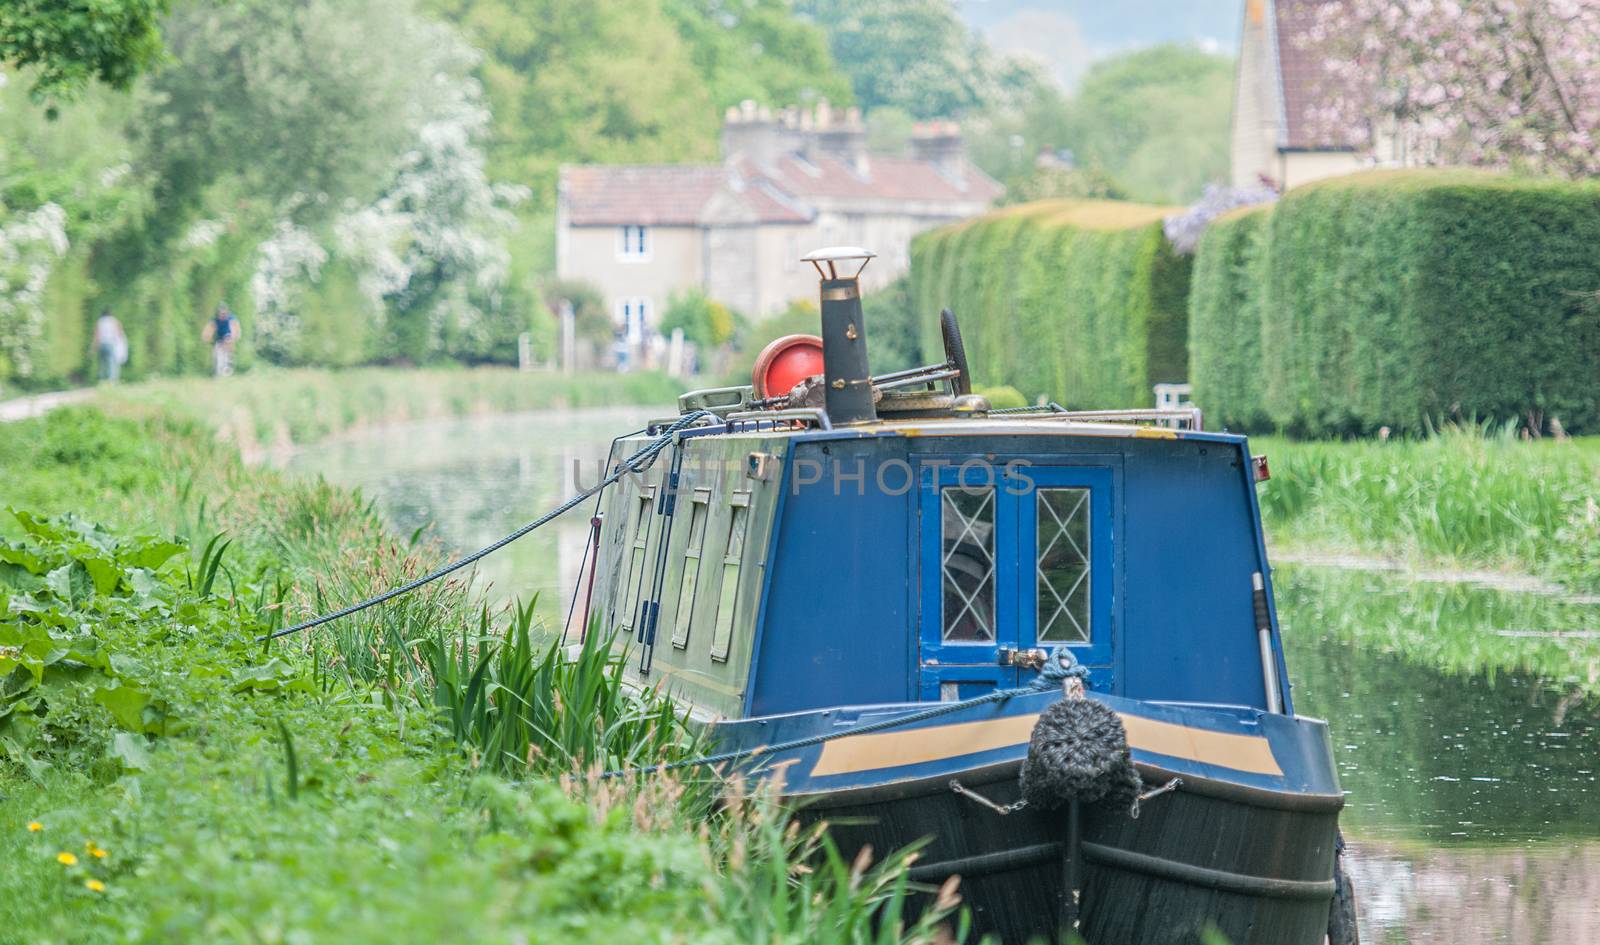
472, 480
1474, 810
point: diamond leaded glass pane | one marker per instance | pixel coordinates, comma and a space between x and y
1063, 566
966, 524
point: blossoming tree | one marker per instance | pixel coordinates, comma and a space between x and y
1498, 83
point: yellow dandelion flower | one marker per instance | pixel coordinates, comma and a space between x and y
94, 885
66, 859
34, 826
98, 853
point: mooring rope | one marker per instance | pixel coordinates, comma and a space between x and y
638, 462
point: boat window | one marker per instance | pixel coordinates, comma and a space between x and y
699, 508
722, 635
1062, 591
627, 589
966, 528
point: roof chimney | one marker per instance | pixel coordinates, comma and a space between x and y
842, 135
756, 133
939, 143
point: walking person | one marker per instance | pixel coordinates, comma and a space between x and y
110, 347
222, 330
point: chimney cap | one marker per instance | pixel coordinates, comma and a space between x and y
833, 255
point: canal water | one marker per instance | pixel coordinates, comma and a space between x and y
1473, 780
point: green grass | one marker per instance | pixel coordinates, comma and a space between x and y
270, 407
349, 786
1465, 497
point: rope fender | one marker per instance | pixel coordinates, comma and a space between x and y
1079, 748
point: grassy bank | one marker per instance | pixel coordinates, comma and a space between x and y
164, 778
275, 407
1464, 498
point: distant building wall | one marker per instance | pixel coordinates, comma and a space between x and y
594, 254
1256, 104
1303, 167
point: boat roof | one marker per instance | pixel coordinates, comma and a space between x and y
988, 425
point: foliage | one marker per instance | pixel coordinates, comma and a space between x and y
1061, 183
1151, 124
1002, 397
916, 55
71, 42
1156, 119
29, 247
1476, 497
759, 50
55, 683
1225, 366
593, 320
529, 707
800, 318
707, 323
1396, 298
894, 327
601, 81
1500, 83
1082, 301
294, 99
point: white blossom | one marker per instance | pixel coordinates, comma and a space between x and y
29, 248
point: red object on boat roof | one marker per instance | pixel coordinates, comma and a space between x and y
785, 363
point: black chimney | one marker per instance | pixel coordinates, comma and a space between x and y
846, 376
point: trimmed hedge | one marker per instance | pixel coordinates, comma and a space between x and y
1080, 300
1407, 298
1225, 319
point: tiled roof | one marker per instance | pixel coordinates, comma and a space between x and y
886, 178
678, 195
649, 194
1303, 78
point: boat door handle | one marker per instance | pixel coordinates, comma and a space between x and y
1023, 659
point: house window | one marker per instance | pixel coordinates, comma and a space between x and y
634, 245
722, 633
634, 314
699, 509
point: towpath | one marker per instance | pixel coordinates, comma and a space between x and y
22, 408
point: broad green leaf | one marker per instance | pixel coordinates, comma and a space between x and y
152, 554
126, 704
103, 571
130, 749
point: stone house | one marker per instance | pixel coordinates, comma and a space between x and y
789, 182
1279, 85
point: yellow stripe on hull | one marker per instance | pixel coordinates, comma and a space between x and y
856, 753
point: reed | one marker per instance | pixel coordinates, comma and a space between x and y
1468, 496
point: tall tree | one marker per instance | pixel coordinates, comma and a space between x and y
72, 42
757, 49
1502, 83
602, 80
917, 55
1156, 120
302, 101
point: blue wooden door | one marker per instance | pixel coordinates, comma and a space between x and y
1015, 558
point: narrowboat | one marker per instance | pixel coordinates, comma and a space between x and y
1041, 640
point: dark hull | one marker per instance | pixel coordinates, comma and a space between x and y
1255, 864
